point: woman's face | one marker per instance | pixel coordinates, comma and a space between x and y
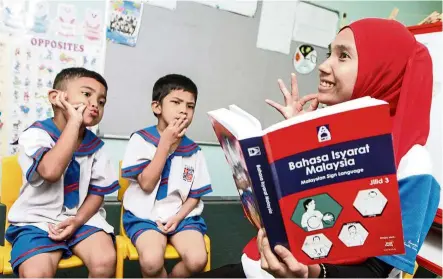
352, 230
311, 205
338, 73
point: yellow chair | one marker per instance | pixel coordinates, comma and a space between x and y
125, 248
405, 275
10, 187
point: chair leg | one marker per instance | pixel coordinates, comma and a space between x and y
119, 267
208, 264
407, 275
208, 249
121, 255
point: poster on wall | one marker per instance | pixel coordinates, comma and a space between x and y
4, 62
55, 35
124, 22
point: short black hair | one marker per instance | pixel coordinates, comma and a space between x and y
373, 192
164, 85
69, 74
306, 202
350, 226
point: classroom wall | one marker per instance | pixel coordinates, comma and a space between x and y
410, 13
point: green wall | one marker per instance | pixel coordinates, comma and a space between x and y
410, 12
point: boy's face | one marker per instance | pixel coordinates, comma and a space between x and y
92, 94
175, 104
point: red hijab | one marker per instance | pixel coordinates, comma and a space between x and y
394, 67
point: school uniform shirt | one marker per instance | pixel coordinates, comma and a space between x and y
184, 176
89, 173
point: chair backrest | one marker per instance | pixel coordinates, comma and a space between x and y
124, 184
11, 182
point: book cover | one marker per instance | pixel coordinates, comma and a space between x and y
337, 186
333, 173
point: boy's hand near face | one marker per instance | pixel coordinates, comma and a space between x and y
174, 132
74, 112
171, 135
55, 161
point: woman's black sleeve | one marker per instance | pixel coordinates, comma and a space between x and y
371, 268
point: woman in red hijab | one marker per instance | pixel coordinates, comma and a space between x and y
378, 58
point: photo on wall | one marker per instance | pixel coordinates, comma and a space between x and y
124, 22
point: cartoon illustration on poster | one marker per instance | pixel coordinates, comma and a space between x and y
40, 16
66, 20
93, 24
13, 16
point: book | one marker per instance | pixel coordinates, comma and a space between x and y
322, 184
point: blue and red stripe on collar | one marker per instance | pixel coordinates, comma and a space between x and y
90, 144
186, 148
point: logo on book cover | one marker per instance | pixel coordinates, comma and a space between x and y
323, 133
254, 151
188, 174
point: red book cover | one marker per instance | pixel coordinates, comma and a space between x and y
337, 187
324, 183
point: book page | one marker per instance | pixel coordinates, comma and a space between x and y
342, 107
238, 124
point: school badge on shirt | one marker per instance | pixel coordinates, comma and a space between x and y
188, 174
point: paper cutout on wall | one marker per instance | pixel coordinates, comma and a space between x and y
314, 25
305, 59
124, 22
276, 25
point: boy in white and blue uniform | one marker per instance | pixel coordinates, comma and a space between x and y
66, 174
168, 175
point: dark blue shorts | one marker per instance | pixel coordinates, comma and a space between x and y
135, 226
28, 241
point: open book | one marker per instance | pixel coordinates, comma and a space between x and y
323, 183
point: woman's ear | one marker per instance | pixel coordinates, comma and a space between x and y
52, 95
156, 107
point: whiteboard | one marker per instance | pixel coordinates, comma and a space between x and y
216, 49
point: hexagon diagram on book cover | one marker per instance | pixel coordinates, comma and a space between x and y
317, 246
370, 202
316, 212
353, 234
